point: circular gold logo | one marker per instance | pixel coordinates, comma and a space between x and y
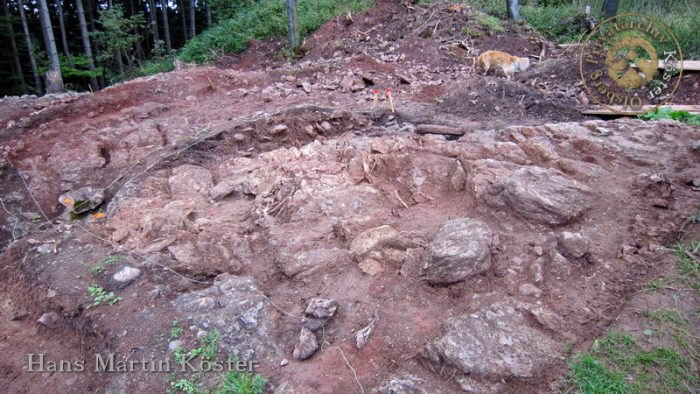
631, 63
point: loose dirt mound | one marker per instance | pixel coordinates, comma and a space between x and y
320, 236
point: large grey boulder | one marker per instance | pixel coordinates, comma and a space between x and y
238, 311
541, 195
498, 342
461, 248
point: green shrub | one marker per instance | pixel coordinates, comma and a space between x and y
155, 66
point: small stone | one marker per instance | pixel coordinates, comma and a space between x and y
573, 244
326, 126
45, 249
284, 362
370, 267
82, 200
306, 87
51, 293
280, 128
172, 346
537, 250
49, 319
126, 275
238, 137
201, 334
311, 324
696, 146
537, 269
307, 345
528, 289
321, 308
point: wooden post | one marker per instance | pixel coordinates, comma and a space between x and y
293, 26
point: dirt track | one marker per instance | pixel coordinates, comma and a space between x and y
287, 176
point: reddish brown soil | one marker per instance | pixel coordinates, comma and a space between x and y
49, 140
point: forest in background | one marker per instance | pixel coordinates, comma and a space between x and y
100, 42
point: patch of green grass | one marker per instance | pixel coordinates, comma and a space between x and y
490, 22
100, 296
176, 329
617, 364
656, 284
261, 20
672, 316
668, 113
235, 382
111, 260
687, 256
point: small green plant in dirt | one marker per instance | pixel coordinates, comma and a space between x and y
96, 270
657, 284
668, 113
618, 364
176, 329
100, 296
183, 385
235, 382
688, 256
111, 260
208, 347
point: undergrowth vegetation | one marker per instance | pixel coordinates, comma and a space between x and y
260, 20
681, 16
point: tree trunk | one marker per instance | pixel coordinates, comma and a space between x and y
184, 19
139, 52
610, 8
28, 38
154, 20
166, 26
193, 32
54, 81
292, 24
13, 44
95, 44
513, 9
120, 63
64, 38
86, 43
208, 15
